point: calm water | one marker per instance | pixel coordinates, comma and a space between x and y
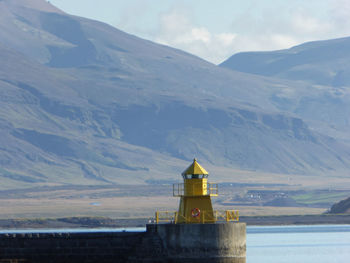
276, 244
299, 244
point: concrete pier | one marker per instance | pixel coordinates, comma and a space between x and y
211, 243
162, 243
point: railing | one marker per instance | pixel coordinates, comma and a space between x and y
179, 189
165, 217
205, 217
228, 215
213, 189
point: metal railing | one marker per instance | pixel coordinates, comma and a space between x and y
205, 217
179, 189
165, 217
213, 189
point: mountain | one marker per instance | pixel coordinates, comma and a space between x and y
324, 69
320, 62
85, 103
342, 207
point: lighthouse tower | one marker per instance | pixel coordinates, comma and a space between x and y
196, 232
195, 196
195, 200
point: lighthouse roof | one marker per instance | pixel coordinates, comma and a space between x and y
194, 168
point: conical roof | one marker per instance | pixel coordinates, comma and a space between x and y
194, 168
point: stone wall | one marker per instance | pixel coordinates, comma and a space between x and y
69, 247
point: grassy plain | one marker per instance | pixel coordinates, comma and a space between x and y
122, 202
248, 191
123, 207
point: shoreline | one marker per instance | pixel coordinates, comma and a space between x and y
324, 219
102, 222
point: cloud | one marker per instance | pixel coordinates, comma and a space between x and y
273, 27
339, 14
302, 24
230, 26
270, 31
178, 30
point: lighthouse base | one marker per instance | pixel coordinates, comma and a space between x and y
214, 243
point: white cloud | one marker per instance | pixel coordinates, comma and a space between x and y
177, 30
282, 41
226, 39
231, 26
303, 24
340, 16
270, 30
201, 34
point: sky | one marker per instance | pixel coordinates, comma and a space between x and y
215, 30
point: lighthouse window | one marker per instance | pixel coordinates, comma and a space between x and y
199, 176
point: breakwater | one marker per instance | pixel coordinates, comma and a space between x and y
161, 243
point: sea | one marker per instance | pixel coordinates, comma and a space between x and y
298, 244
274, 244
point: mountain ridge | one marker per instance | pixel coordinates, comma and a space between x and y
322, 67
95, 105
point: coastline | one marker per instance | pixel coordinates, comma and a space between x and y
324, 219
102, 222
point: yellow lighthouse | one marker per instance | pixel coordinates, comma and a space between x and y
195, 200
195, 196
196, 232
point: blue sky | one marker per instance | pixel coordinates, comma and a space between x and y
215, 30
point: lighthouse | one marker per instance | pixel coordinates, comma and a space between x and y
195, 200
195, 196
197, 232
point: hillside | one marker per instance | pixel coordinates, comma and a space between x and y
342, 207
322, 66
320, 62
85, 103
